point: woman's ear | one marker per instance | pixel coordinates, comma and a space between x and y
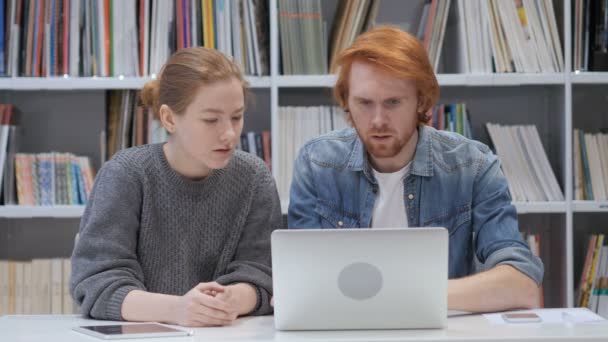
167, 118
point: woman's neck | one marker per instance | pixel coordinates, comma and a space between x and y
183, 163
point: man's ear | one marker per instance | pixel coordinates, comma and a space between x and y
347, 117
420, 105
167, 118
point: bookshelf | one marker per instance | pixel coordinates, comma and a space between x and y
590, 206
551, 101
472, 80
27, 211
94, 83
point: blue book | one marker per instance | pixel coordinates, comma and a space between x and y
46, 179
74, 179
586, 172
468, 125
184, 23
82, 196
51, 66
35, 39
215, 9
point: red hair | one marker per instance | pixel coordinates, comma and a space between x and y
399, 53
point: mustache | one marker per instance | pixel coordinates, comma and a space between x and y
378, 131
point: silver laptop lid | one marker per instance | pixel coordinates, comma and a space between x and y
360, 278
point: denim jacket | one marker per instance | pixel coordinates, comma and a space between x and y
453, 182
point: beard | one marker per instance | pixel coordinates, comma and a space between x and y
389, 148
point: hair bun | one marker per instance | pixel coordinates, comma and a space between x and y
150, 96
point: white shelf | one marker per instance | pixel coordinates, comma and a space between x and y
590, 77
540, 207
590, 206
296, 81
27, 211
472, 80
469, 80
94, 83
305, 81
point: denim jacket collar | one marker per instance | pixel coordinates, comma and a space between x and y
422, 164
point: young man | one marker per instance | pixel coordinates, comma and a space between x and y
392, 170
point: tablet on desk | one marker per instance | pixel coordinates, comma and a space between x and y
135, 330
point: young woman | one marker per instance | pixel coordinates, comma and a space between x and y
179, 232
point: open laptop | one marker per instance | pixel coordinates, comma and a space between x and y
334, 279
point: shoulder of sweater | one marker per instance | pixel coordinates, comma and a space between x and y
133, 160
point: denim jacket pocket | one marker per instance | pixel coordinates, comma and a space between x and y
333, 217
452, 218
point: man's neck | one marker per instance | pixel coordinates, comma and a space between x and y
398, 162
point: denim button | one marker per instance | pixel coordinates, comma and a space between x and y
410, 196
340, 223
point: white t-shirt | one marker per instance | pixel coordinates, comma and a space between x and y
389, 208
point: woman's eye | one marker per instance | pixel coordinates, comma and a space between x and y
210, 121
237, 118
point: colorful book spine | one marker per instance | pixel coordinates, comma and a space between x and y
74, 183
45, 175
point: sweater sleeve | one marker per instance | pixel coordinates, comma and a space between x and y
251, 262
105, 267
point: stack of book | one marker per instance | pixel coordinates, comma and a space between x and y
533, 241
593, 286
303, 37
39, 286
297, 126
127, 37
8, 149
508, 36
257, 144
453, 118
52, 179
525, 163
352, 17
590, 35
590, 166
431, 29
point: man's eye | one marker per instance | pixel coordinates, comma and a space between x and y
210, 121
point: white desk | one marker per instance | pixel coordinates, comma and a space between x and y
464, 328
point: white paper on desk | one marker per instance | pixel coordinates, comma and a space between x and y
575, 315
455, 313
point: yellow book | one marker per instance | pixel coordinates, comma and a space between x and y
593, 272
208, 24
211, 24
12, 293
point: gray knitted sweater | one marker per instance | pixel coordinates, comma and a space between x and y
147, 227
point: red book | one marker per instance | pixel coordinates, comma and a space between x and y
267, 149
66, 35
179, 22
142, 15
